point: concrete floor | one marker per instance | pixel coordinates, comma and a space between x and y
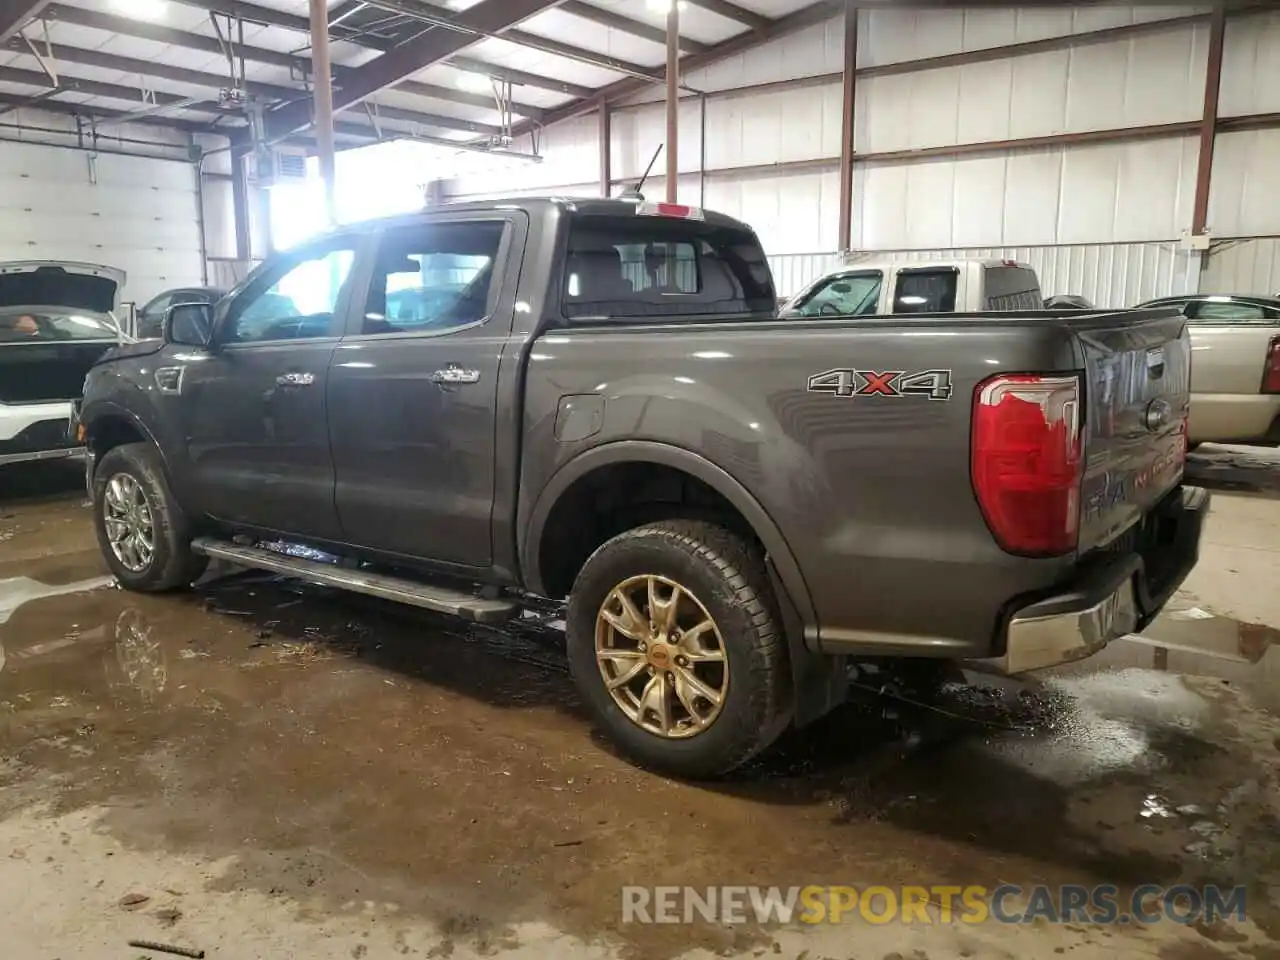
263, 769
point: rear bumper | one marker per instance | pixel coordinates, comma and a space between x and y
35, 431
1119, 595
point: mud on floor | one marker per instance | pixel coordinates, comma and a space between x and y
394, 780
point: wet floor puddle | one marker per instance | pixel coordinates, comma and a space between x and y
353, 745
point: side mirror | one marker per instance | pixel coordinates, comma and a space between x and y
189, 324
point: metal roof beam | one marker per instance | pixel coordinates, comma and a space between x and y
433, 46
213, 81
113, 91
731, 11
814, 13
102, 113
277, 18
15, 14
607, 18
458, 22
111, 23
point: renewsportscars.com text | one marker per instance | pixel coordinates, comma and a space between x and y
1008, 903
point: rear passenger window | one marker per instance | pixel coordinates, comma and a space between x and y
633, 267
925, 291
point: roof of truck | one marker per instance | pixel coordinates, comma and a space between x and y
543, 206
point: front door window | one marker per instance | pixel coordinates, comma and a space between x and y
296, 301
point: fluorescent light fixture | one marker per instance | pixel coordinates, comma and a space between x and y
473, 82
141, 9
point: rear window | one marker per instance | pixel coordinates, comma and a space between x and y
36, 326
1012, 288
925, 291
650, 268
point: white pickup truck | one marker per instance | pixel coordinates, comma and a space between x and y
870, 288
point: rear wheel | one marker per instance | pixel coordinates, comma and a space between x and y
675, 647
143, 533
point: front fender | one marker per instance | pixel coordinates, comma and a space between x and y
679, 458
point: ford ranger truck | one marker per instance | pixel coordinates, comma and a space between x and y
492, 404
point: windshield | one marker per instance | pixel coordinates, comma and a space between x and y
43, 325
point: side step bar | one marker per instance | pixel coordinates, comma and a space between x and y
440, 599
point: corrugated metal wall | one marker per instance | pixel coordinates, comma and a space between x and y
1100, 220
1244, 266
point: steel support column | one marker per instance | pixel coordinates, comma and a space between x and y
846, 126
605, 136
673, 101
240, 202
1209, 120
322, 95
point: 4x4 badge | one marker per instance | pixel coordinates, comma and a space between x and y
931, 384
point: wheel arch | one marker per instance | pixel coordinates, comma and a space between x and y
663, 455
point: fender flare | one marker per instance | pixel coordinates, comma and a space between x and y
678, 458
111, 408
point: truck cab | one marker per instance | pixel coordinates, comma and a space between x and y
879, 288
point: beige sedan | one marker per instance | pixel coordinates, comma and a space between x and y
1235, 367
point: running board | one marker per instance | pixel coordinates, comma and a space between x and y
440, 599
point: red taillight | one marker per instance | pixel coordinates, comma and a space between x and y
1271, 372
1026, 461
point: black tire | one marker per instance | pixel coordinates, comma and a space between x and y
728, 577
173, 564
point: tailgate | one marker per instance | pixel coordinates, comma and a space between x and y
1137, 368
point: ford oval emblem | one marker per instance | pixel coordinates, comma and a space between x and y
1157, 414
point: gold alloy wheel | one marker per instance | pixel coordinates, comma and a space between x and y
661, 656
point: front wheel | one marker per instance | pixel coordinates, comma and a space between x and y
675, 646
143, 533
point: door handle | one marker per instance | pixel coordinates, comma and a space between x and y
296, 379
455, 374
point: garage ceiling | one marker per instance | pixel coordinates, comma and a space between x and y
431, 69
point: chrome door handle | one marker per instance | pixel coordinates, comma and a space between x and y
296, 379
452, 374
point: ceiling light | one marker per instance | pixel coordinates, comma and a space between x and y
474, 82
141, 9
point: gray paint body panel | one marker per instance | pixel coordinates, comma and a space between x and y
864, 503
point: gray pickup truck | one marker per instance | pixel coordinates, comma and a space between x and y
487, 404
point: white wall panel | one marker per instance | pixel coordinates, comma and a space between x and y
892, 36
136, 213
791, 212
1084, 194
810, 52
1146, 80
1244, 200
637, 132
1244, 266
572, 155
773, 127
1251, 66
791, 271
